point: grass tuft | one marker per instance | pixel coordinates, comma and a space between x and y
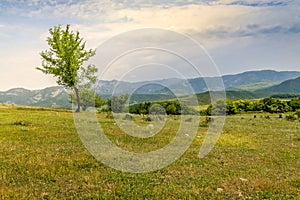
21, 123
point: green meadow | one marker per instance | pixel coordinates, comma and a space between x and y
42, 157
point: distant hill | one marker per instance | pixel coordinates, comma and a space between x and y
52, 97
254, 77
287, 87
204, 98
250, 81
247, 85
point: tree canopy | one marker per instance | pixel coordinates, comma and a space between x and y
65, 58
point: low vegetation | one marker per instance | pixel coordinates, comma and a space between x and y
269, 105
167, 107
42, 157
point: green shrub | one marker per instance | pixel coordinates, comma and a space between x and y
147, 119
298, 113
21, 123
291, 117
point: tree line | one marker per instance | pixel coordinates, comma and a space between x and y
119, 104
268, 105
164, 107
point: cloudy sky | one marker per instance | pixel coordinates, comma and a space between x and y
239, 35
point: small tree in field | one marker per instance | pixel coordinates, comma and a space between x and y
65, 58
88, 95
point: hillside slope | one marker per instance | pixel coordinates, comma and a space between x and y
52, 97
290, 86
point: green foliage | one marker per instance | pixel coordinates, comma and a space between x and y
219, 108
230, 108
291, 117
87, 77
141, 108
298, 113
88, 98
272, 105
21, 123
65, 57
171, 109
269, 105
147, 119
157, 109
117, 103
295, 104
88, 95
168, 107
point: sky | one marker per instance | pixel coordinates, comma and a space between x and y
234, 35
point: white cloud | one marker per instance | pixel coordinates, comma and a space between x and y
237, 33
252, 3
208, 22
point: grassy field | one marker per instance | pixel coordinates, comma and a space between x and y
42, 157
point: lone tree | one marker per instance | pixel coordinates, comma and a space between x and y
65, 58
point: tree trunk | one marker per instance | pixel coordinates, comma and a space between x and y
77, 98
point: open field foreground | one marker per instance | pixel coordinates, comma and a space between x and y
42, 157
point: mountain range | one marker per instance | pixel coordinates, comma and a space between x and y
52, 97
250, 81
252, 84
